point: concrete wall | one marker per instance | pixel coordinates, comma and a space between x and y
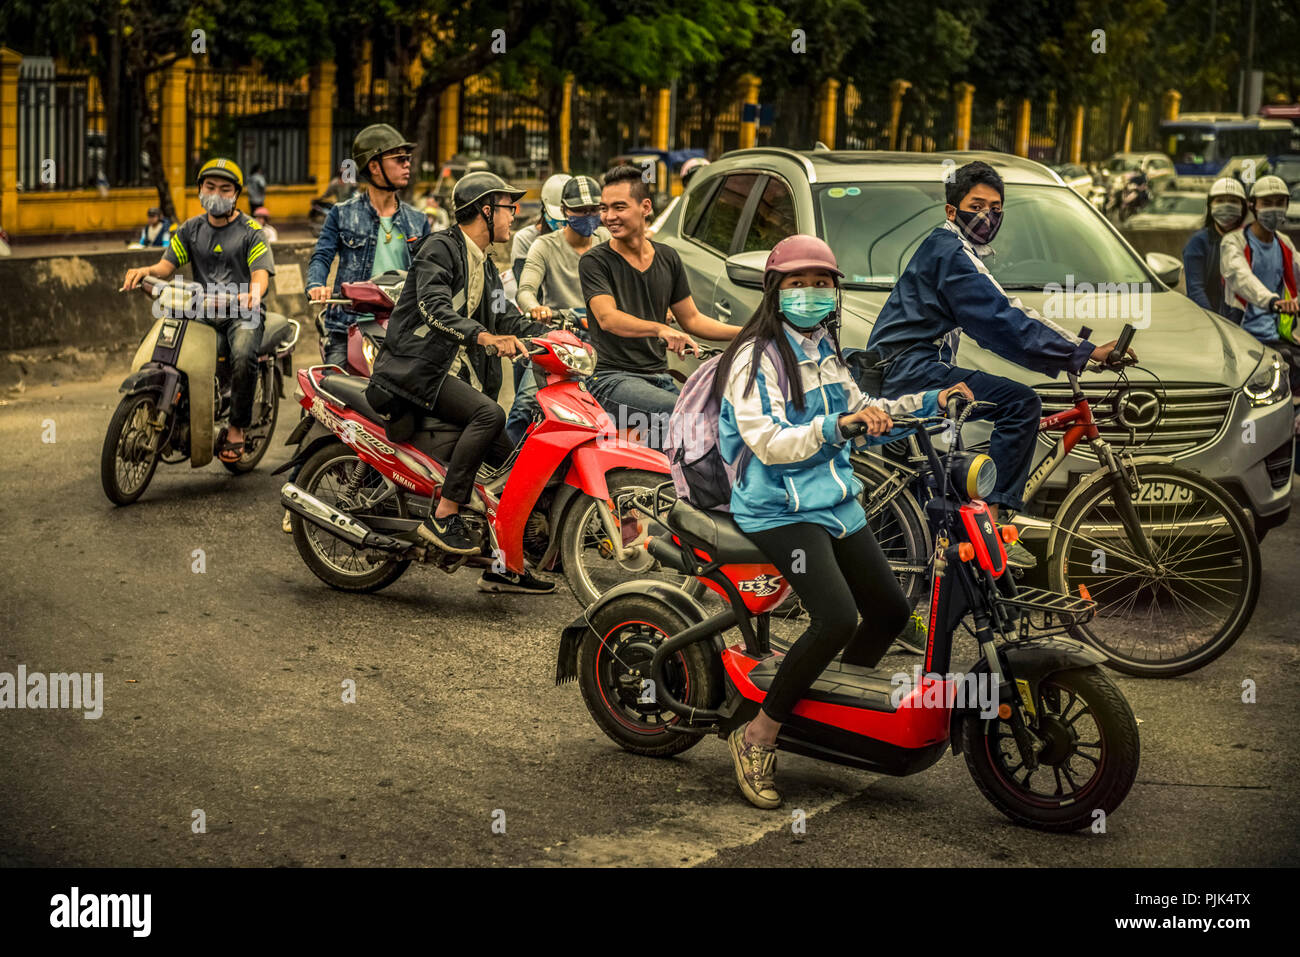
72, 301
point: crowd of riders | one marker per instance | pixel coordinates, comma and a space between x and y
786, 393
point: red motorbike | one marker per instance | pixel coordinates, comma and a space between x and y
1048, 738
563, 496
376, 296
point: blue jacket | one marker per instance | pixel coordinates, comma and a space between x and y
945, 290
349, 232
800, 469
1201, 272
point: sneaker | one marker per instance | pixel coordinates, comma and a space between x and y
449, 534
508, 581
914, 636
755, 770
1020, 557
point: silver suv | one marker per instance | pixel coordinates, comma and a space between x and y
1216, 403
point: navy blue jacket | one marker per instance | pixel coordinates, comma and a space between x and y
945, 290
1201, 271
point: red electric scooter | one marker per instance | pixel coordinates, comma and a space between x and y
1048, 738
563, 496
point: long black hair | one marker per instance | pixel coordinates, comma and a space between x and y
764, 326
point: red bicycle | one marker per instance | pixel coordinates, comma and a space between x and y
1169, 556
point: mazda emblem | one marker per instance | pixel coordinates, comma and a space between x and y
1137, 409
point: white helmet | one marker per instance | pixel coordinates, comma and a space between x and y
553, 195
1227, 186
1269, 186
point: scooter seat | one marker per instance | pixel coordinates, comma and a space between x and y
714, 533
350, 390
850, 685
277, 332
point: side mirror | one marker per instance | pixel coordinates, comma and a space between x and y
1167, 268
746, 269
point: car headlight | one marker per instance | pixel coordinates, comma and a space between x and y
578, 359
1268, 383
974, 473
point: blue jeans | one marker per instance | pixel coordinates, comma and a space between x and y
1015, 417
525, 404
637, 400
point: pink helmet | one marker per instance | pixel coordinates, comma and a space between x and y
801, 252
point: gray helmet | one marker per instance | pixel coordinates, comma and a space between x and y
373, 141
473, 187
579, 192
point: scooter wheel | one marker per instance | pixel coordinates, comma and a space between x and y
1088, 760
614, 675
125, 464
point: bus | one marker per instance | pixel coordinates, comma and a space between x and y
1201, 144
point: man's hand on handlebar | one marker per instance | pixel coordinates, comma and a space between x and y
134, 277
1101, 355
319, 293
508, 346
960, 389
678, 342
1287, 305
540, 313
876, 421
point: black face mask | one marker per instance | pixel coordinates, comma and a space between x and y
981, 227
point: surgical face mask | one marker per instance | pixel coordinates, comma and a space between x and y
1226, 214
555, 224
216, 204
981, 227
584, 225
1272, 219
807, 307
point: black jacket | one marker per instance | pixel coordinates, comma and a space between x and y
429, 323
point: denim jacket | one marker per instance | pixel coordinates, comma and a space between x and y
349, 232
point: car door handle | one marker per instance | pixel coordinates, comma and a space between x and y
723, 308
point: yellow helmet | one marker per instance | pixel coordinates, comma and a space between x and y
223, 169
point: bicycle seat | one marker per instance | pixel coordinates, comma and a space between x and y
715, 533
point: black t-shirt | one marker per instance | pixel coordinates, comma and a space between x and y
645, 295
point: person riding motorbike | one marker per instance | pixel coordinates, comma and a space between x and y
549, 220
453, 297
225, 249
797, 497
370, 233
1225, 210
551, 274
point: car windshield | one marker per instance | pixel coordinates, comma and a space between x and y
1048, 234
1179, 203
1122, 164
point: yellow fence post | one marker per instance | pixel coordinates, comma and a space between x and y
896, 90
320, 125
1172, 103
448, 122
829, 100
1076, 135
1022, 128
171, 135
659, 118
9, 62
566, 124
749, 86
962, 115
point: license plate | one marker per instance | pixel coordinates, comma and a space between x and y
1160, 493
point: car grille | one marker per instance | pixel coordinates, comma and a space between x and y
1190, 414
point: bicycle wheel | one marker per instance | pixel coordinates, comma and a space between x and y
1179, 612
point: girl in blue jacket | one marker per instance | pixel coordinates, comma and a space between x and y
797, 498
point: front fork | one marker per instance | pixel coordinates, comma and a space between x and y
1124, 481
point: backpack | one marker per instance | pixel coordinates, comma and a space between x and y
700, 474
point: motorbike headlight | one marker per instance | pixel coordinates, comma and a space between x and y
1268, 383
573, 418
578, 359
974, 474
369, 350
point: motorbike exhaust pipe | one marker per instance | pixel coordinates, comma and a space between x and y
339, 524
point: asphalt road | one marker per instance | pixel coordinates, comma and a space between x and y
223, 694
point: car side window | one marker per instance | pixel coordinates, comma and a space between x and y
718, 224
773, 217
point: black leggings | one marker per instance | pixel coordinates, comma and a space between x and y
482, 440
835, 579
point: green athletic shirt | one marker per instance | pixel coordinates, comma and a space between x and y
224, 254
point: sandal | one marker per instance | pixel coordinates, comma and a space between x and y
229, 451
